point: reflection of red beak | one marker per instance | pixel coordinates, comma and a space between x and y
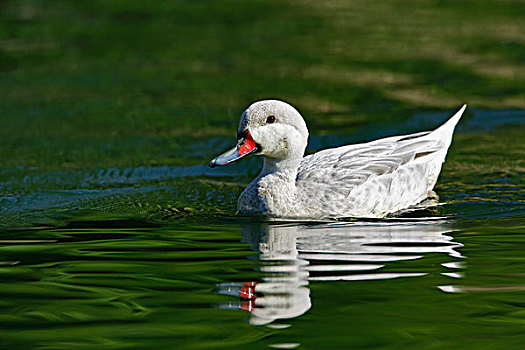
245, 291
244, 147
248, 291
247, 305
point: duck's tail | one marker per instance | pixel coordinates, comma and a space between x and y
444, 132
443, 135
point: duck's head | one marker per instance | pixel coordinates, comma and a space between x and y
271, 128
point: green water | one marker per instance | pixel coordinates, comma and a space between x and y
115, 234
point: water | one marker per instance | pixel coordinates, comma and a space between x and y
122, 263
115, 234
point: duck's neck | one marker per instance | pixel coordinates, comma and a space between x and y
275, 185
274, 190
285, 169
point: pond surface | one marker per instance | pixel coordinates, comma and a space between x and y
116, 265
114, 233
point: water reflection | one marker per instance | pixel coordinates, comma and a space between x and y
293, 254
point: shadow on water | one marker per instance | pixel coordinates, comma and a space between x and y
292, 255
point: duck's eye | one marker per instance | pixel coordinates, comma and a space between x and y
270, 119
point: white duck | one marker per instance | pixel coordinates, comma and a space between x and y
370, 179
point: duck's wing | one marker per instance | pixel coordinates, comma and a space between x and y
378, 177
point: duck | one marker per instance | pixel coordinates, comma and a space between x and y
366, 180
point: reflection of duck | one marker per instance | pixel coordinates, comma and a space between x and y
294, 254
364, 180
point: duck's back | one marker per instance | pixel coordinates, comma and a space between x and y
376, 178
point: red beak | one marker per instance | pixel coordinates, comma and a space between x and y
244, 147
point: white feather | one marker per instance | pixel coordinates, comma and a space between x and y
370, 179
